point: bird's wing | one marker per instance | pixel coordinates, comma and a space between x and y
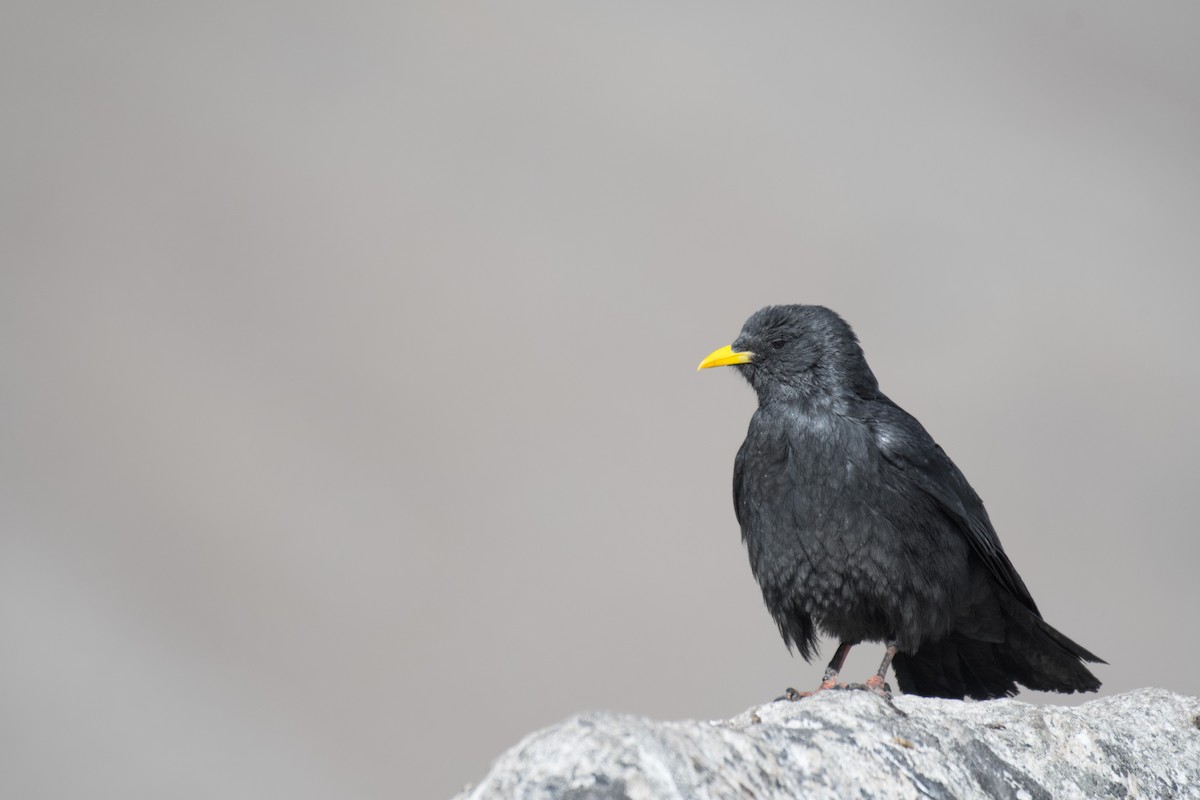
910, 448
738, 464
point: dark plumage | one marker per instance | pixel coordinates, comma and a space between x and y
859, 526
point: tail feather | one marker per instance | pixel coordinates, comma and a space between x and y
1032, 654
954, 667
1042, 658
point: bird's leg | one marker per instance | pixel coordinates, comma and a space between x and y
835, 666
876, 683
831, 674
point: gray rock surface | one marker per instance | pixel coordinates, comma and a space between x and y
842, 744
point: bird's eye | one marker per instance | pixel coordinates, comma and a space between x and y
778, 344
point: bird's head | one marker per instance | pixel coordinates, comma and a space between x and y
797, 351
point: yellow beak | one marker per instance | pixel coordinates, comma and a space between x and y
724, 357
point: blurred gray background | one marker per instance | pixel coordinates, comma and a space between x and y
350, 423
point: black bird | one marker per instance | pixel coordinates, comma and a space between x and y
860, 527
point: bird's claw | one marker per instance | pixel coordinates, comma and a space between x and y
874, 685
792, 695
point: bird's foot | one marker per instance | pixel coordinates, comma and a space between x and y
792, 695
875, 685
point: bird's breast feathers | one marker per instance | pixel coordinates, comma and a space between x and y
809, 473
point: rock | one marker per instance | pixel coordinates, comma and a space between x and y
838, 744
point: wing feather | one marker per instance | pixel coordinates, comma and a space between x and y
912, 451
739, 462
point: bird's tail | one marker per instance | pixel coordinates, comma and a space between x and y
1028, 652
